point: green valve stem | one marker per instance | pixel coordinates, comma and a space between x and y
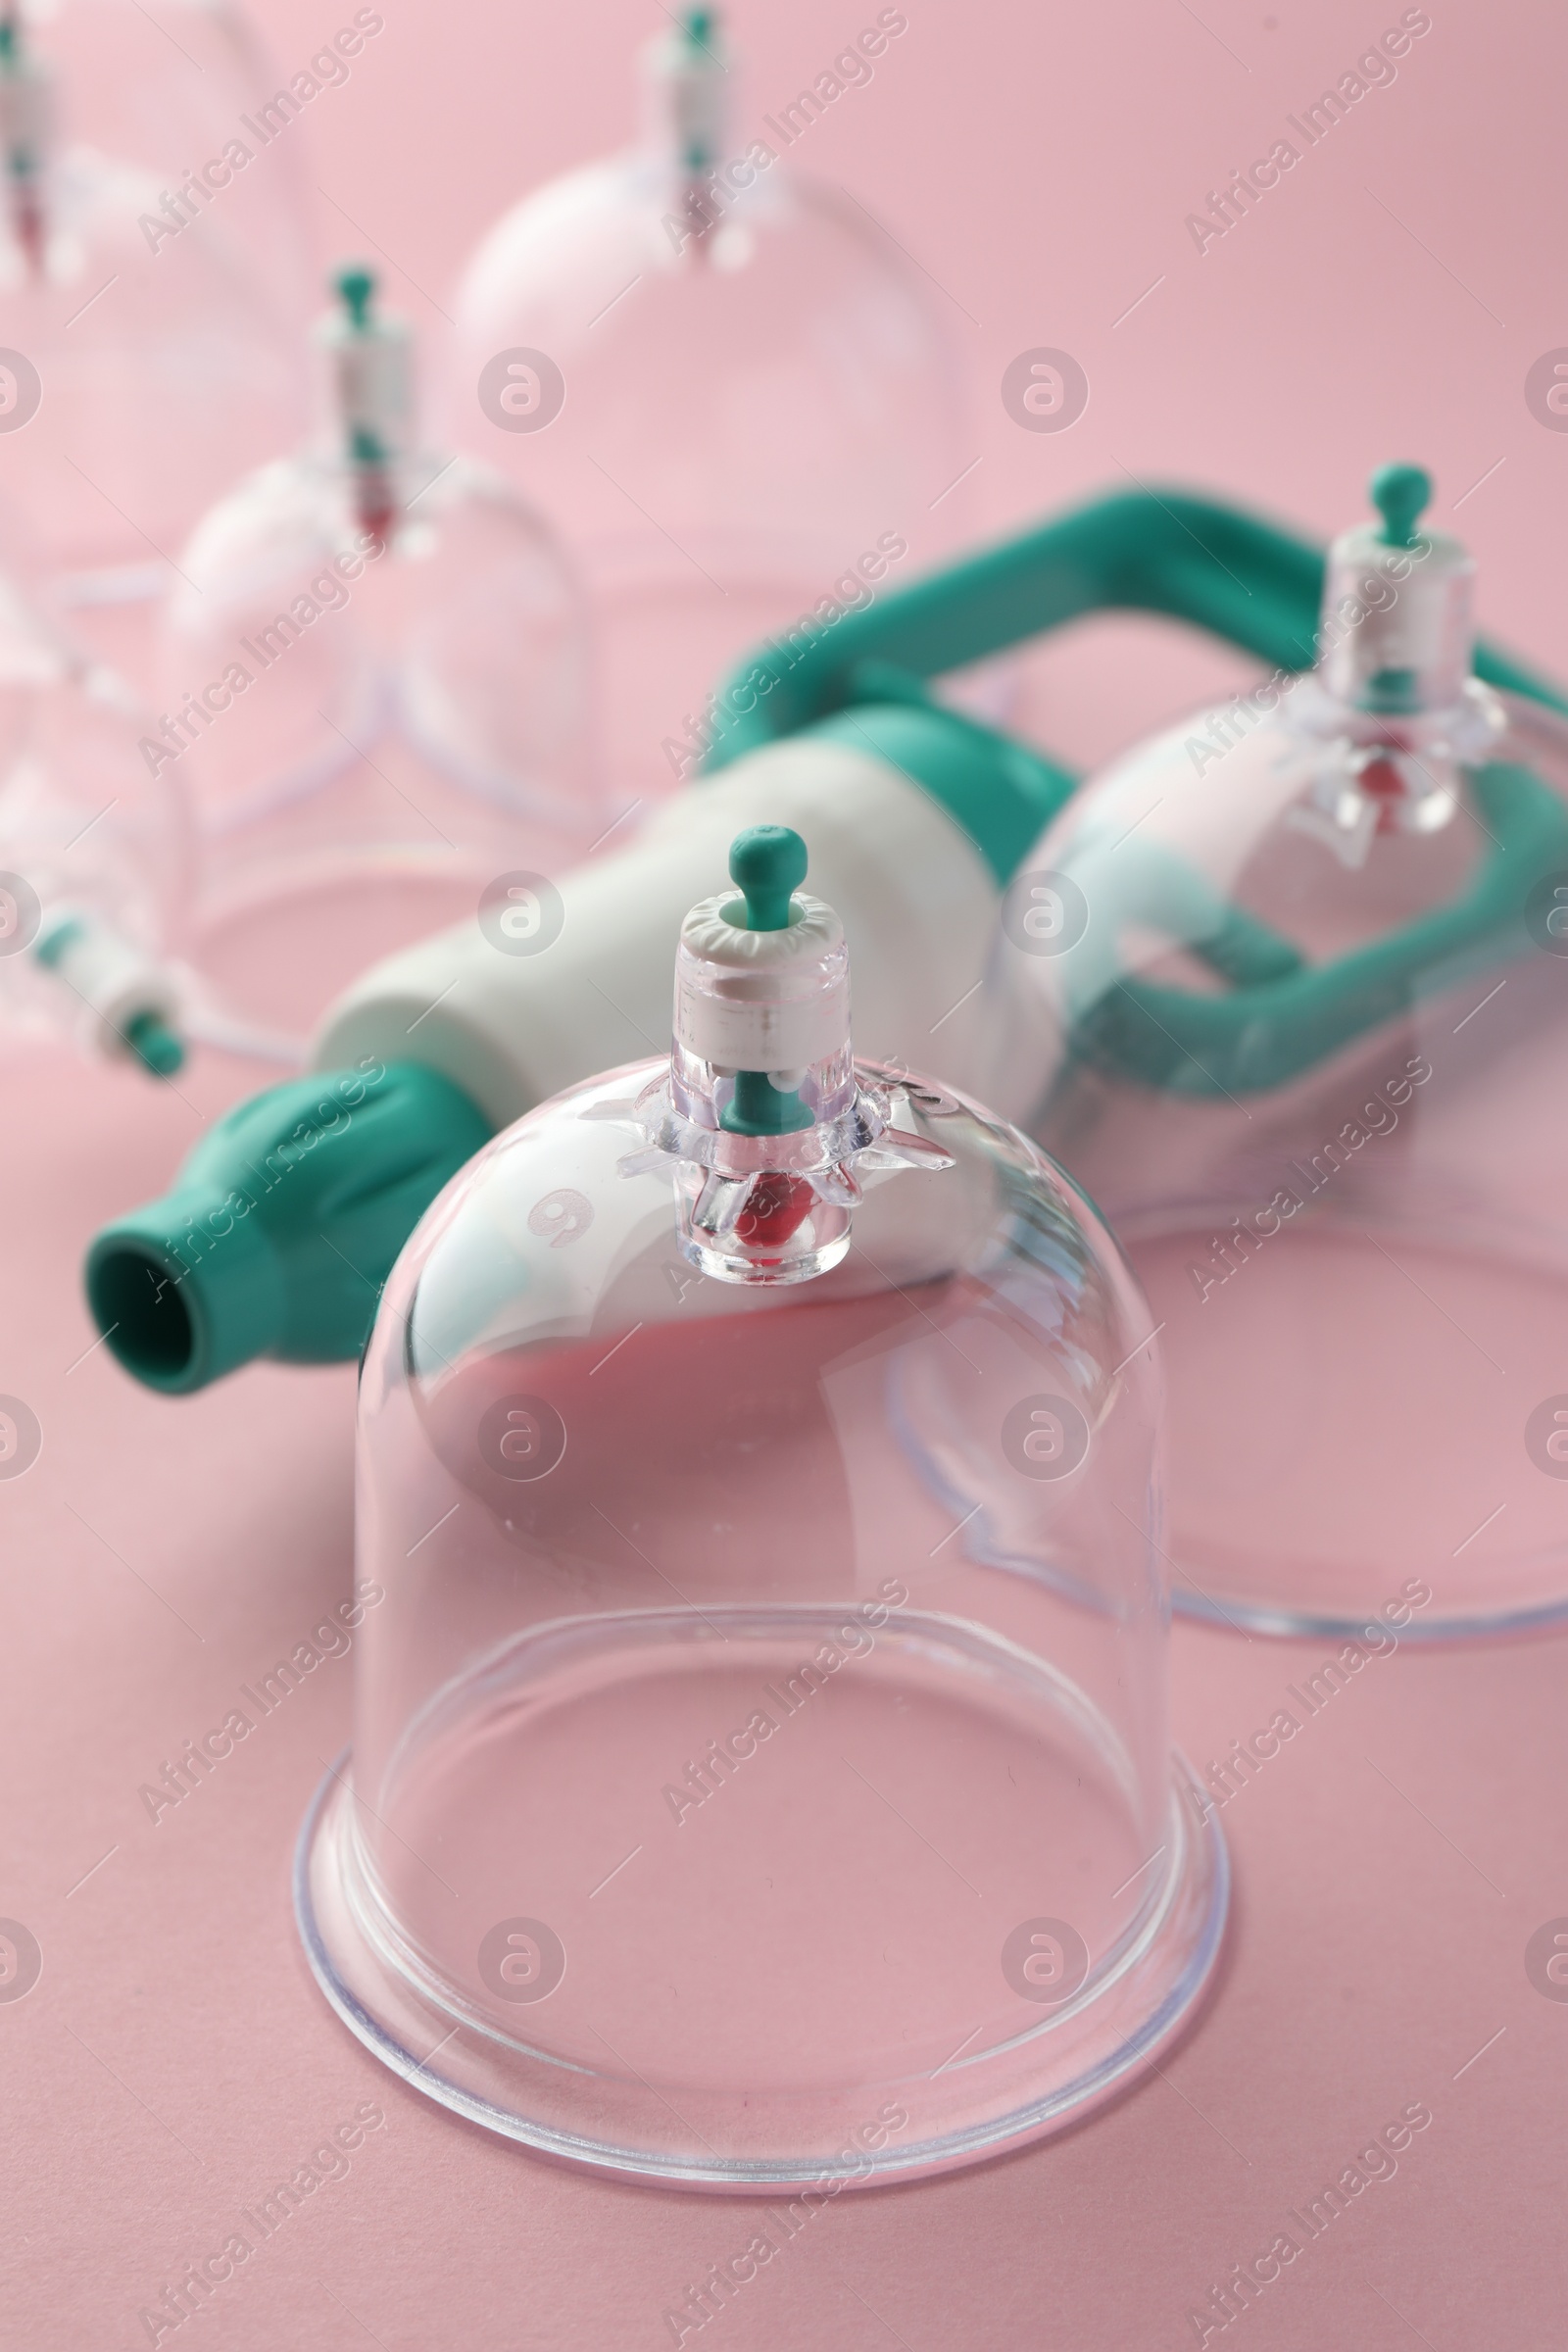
364, 359
768, 862
365, 446
1394, 692
695, 30
759, 1107
355, 287
1402, 495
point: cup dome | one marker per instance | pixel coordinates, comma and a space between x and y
148, 310
1302, 965
729, 391
758, 1530
96, 857
375, 678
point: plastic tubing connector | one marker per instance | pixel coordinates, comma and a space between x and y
282, 1227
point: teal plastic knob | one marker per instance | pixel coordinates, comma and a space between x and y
1400, 495
759, 1107
770, 862
355, 286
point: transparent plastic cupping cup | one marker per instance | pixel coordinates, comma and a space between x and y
1305, 958
169, 97
96, 857
731, 392
150, 316
761, 1769
375, 672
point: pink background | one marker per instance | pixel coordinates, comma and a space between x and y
174, 2060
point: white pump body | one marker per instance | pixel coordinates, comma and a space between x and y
919, 904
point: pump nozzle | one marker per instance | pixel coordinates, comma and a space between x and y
282, 1226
